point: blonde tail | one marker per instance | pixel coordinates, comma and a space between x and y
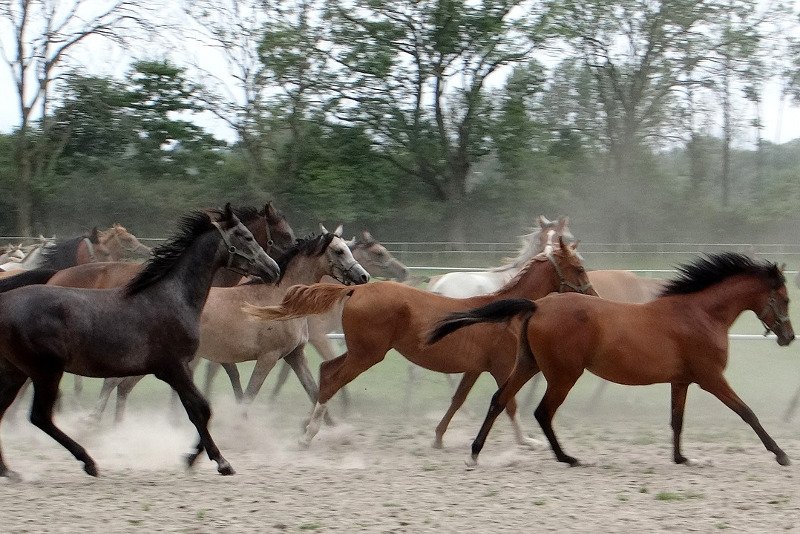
302, 300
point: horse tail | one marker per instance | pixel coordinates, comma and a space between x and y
26, 278
302, 300
494, 312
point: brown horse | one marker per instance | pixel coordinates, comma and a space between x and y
384, 315
680, 338
378, 262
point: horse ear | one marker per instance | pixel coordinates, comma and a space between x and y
323, 229
782, 267
563, 222
338, 231
542, 221
94, 235
367, 236
227, 213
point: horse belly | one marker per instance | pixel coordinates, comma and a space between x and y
637, 361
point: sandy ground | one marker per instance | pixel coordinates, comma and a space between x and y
376, 472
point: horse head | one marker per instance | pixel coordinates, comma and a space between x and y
121, 244
244, 254
376, 258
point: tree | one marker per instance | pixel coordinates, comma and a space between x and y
39, 37
417, 77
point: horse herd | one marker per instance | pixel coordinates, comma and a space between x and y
541, 312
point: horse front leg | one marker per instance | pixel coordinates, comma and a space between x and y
105, 394
676, 420
720, 388
199, 412
299, 363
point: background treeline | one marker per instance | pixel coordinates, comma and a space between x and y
421, 120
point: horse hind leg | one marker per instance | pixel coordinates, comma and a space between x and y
459, 396
11, 382
557, 389
124, 389
45, 393
333, 375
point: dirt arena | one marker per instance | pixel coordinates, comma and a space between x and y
376, 471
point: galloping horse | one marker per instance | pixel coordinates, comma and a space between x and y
385, 315
229, 336
378, 262
149, 326
680, 338
269, 228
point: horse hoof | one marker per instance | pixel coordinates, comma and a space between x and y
303, 443
225, 469
13, 476
782, 459
91, 469
533, 444
190, 459
471, 462
437, 443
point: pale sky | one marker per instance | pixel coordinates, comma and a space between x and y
781, 119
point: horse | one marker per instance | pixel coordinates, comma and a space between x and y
149, 326
268, 227
386, 314
228, 336
378, 262
465, 284
679, 338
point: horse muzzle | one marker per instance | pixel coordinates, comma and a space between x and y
355, 274
261, 266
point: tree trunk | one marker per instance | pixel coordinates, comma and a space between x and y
23, 183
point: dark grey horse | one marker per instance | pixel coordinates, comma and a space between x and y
149, 326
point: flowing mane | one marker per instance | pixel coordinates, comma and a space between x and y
540, 257
308, 246
714, 268
165, 256
61, 254
529, 247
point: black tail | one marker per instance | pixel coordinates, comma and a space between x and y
26, 278
495, 312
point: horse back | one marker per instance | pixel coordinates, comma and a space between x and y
85, 331
97, 275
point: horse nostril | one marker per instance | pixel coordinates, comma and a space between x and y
365, 278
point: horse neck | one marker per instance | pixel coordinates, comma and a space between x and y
303, 270
193, 272
532, 282
726, 300
225, 278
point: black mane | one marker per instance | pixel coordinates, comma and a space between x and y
166, 255
308, 246
714, 268
62, 254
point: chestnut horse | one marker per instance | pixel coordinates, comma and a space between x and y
384, 315
680, 338
378, 262
149, 326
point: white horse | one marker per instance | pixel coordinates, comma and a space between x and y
466, 284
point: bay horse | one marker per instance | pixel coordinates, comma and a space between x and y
149, 326
229, 336
388, 315
679, 338
378, 262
